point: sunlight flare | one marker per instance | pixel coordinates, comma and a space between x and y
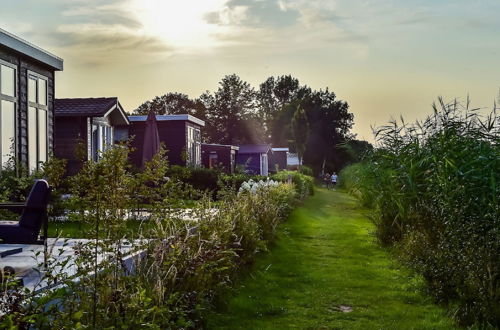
182, 24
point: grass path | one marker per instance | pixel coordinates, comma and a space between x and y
325, 257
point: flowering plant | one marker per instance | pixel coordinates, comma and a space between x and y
253, 186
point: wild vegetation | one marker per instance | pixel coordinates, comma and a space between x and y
184, 262
434, 188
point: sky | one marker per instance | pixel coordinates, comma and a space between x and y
386, 58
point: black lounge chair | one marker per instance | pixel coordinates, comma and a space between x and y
33, 217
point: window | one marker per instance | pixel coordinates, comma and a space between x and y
37, 120
263, 165
233, 160
194, 146
102, 138
8, 100
212, 160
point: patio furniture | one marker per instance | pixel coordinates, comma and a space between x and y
33, 217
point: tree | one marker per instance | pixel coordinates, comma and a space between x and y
273, 95
330, 123
231, 113
300, 128
237, 114
172, 103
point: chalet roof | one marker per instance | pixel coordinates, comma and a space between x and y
220, 145
254, 149
89, 107
26, 48
184, 117
280, 149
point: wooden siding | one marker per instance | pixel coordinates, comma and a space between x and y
223, 156
277, 158
25, 64
173, 135
70, 132
251, 162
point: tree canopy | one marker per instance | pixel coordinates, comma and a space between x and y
236, 113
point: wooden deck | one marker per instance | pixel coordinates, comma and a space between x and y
26, 262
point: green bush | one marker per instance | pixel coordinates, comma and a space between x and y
234, 181
304, 184
434, 189
306, 170
357, 179
187, 263
200, 178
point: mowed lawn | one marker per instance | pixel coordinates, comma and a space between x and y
325, 263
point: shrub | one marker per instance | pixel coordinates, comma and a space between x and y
186, 264
234, 181
306, 170
357, 179
434, 189
303, 184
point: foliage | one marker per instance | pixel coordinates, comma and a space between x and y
306, 170
16, 183
356, 150
234, 181
325, 258
171, 104
300, 129
231, 113
253, 186
200, 178
237, 114
187, 257
434, 187
304, 184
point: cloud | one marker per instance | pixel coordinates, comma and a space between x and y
310, 11
295, 25
18, 27
100, 44
228, 16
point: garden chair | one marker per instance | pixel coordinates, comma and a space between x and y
33, 217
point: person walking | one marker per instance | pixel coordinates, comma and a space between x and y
334, 179
327, 180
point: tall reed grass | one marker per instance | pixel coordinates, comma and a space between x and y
434, 188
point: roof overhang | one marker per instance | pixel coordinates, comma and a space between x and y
117, 115
280, 149
186, 117
28, 49
221, 145
254, 149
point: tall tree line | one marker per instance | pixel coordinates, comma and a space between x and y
237, 113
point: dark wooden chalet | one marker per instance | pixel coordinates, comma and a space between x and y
180, 134
278, 159
27, 75
254, 158
219, 156
86, 125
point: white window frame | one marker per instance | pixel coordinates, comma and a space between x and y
41, 109
105, 139
194, 146
264, 165
14, 100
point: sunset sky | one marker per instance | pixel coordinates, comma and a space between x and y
385, 57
